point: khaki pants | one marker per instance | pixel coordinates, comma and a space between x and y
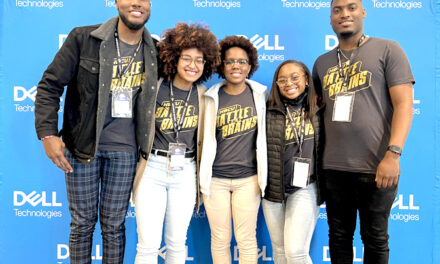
238, 199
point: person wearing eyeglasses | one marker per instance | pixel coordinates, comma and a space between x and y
292, 198
166, 183
233, 170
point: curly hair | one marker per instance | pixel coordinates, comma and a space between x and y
240, 42
184, 36
275, 98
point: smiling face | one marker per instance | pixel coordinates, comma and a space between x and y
189, 67
236, 73
347, 18
134, 13
291, 81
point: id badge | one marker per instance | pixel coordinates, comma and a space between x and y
176, 153
122, 101
343, 108
301, 172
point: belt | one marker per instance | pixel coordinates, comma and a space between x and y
164, 153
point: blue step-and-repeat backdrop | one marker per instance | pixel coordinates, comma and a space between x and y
34, 216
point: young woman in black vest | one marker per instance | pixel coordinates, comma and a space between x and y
291, 201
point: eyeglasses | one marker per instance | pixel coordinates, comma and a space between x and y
187, 60
285, 81
241, 62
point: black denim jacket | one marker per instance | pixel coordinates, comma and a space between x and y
84, 63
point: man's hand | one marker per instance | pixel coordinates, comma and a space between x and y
54, 148
388, 171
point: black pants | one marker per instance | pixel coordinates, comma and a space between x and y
346, 194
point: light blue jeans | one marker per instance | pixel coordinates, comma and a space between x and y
291, 225
160, 196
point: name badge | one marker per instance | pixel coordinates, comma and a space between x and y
176, 153
343, 107
301, 172
122, 101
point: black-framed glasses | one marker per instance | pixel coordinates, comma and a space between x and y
187, 60
286, 81
230, 62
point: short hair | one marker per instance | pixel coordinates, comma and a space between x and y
239, 42
186, 36
331, 2
275, 100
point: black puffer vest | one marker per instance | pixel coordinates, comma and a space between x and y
275, 125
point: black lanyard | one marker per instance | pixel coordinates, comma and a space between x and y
121, 73
341, 70
178, 126
298, 138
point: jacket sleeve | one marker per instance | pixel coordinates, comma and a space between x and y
51, 86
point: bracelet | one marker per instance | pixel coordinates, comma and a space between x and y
46, 137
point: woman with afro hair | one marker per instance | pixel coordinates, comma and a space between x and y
233, 171
166, 183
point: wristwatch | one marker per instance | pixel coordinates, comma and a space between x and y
395, 149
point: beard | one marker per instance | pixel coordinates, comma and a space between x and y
346, 35
133, 26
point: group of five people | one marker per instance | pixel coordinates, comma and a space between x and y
138, 118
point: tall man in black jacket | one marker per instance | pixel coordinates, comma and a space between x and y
366, 84
110, 72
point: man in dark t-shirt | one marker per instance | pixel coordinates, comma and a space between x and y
366, 84
110, 71
118, 134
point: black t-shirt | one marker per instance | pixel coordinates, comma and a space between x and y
165, 133
292, 149
377, 65
118, 134
236, 135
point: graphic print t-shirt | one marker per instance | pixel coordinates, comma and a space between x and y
292, 149
118, 134
377, 65
236, 135
164, 118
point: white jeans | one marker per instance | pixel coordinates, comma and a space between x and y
291, 225
160, 196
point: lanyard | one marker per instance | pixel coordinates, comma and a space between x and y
341, 70
298, 138
178, 126
121, 73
